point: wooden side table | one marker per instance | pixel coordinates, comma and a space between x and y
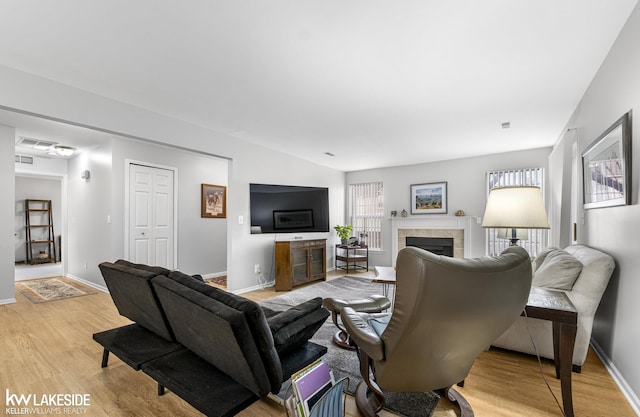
556, 307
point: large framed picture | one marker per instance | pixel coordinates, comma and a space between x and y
606, 166
430, 198
214, 201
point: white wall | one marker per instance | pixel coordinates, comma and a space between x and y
249, 163
7, 211
98, 205
42, 166
615, 90
202, 242
89, 238
258, 165
36, 188
466, 185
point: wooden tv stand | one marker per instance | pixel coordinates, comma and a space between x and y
299, 262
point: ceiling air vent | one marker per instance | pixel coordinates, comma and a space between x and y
23, 159
38, 144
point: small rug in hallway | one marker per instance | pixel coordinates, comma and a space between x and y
345, 362
222, 281
52, 289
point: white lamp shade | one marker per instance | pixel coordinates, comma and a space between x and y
515, 208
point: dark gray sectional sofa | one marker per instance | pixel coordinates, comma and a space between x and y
218, 351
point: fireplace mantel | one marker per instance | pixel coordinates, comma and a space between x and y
458, 227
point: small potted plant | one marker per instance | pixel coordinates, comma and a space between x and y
344, 232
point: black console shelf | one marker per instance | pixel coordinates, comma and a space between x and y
351, 257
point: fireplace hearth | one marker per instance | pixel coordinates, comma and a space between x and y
466, 232
437, 245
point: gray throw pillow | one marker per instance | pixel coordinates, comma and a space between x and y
541, 256
558, 271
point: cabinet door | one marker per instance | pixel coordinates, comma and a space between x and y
317, 261
299, 265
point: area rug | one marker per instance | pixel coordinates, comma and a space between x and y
345, 362
222, 281
52, 289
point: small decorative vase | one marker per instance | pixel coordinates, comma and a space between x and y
404, 213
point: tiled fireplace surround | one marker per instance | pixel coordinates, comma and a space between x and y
433, 226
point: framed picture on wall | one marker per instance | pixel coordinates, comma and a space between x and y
214, 201
606, 167
430, 198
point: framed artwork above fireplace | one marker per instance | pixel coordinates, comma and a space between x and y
429, 198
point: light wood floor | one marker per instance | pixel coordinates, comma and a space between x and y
47, 349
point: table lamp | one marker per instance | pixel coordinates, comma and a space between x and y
515, 208
514, 235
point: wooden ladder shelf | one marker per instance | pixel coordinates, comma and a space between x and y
43, 240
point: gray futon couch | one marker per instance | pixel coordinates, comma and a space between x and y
218, 351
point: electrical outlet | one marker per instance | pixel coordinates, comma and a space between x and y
257, 269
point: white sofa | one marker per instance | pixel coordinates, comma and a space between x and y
554, 269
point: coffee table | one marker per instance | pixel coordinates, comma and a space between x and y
386, 275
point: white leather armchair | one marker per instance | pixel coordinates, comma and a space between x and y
585, 293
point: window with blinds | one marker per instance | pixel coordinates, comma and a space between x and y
366, 210
533, 240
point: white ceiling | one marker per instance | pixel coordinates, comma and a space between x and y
375, 82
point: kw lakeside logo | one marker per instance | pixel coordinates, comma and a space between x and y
46, 404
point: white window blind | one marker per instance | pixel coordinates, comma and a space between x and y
536, 238
366, 209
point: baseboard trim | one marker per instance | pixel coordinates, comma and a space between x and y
215, 275
88, 283
254, 288
631, 396
7, 301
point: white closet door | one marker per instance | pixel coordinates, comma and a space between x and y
151, 234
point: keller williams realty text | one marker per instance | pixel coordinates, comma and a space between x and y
45, 411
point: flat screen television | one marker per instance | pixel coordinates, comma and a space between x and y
288, 208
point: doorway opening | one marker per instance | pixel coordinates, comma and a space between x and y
41, 187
